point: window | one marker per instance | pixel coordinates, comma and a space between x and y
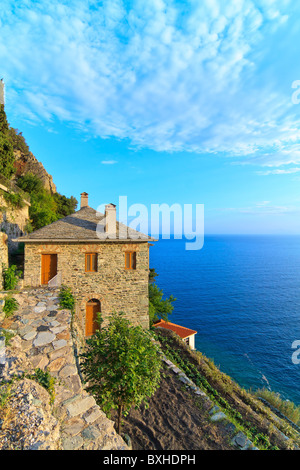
90, 262
130, 260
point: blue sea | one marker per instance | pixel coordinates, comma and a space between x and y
242, 295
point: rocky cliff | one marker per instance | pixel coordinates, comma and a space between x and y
28, 163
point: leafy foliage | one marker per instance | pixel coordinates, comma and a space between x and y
11, 277
18, 141
13, 199
45, 379
158, 307
64, 205
66, 298
121, 365
7, 158
10, 306
45, 207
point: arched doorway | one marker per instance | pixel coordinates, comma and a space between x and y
93, 307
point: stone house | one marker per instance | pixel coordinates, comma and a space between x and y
105, 263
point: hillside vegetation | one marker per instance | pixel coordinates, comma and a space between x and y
248, 414
46, 206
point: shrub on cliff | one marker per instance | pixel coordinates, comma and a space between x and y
7, 158
45, 207
121, 365
11, 277
159, 307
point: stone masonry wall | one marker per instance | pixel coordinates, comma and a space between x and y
3, 255
116, 288
12, 220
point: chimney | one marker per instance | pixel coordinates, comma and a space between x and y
111, 220
84, 201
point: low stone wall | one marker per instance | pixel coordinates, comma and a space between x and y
13, 220
3, 255
43, 340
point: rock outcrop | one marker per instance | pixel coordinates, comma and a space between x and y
27, 163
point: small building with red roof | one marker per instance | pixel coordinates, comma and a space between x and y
186, 334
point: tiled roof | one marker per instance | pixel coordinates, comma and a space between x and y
82, 226
179, 330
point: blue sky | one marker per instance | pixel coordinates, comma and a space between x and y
162, 101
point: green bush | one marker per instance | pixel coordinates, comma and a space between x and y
7, 158
45, 207
121, 365
11, 277
15, 200
10, 306
45, 379
66, 298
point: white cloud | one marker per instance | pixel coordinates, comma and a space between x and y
264, 208
167, 75
279, 172
109, 162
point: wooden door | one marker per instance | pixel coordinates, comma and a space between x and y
49, 267
93, 307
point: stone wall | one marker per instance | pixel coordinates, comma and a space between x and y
116, 288
3, 255
13, 220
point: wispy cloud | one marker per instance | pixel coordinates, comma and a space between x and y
279, 172
167, 75
264, 208
109, 162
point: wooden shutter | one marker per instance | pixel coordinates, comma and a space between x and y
130, 260
91, 262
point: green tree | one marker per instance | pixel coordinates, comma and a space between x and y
18, 141
45, 207
121, 365
42, 210
30, 183
64, 205
158, 306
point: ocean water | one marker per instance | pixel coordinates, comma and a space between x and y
242, 295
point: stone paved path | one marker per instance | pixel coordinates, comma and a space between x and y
44, 341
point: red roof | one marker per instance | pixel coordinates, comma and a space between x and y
179, 330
